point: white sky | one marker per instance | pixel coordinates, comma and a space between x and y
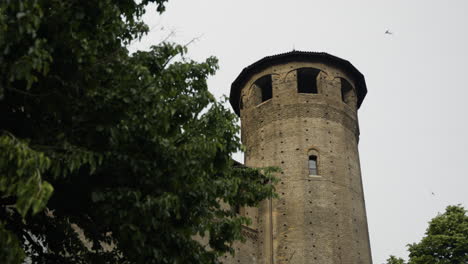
414, 129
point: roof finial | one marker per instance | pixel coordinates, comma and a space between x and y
294, 47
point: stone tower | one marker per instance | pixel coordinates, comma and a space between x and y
298, 112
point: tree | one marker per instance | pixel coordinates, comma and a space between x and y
111, 157
445, 241
395, 260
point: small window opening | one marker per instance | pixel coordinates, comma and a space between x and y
313, 165
346, 92
307, 80
265, 85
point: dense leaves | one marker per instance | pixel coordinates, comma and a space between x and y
395, 260
445, 242
111, 157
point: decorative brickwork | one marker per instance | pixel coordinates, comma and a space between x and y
318, 218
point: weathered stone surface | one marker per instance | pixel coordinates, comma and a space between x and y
317, 219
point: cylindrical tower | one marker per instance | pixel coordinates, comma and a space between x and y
298, 112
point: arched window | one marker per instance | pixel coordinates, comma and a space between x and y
347, 92
265, 86
307, 80
313, 165
313, 162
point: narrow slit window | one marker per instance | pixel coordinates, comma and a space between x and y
307, 80
313, 165
265, 85
346, 91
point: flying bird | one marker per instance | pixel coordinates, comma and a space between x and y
388, 32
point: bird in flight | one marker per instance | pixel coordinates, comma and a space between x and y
388, 32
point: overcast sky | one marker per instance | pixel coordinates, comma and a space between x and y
414, 129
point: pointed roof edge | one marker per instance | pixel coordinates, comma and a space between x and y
296, 56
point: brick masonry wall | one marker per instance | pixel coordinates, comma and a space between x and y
317, 219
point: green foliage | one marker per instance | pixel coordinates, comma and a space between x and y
445, 241
20, 175
10, 248
136, 148
395, 260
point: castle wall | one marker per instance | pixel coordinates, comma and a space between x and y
317, 219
